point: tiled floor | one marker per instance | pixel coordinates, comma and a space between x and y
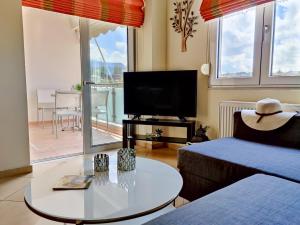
44, 144
12, 208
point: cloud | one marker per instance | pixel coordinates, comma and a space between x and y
237, 50
122, 46
118, 57
237, 46
287, 37
94, 52
114, 56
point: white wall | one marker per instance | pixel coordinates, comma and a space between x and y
152, 42
152, 37
14, 143
52, 54
209, 98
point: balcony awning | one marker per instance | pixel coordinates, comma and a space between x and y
211, 9
125, 12
95, 27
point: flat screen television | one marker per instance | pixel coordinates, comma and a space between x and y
163, 93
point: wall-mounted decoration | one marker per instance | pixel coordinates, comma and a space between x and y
184, 21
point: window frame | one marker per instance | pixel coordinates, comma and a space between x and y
131, 49
263, 52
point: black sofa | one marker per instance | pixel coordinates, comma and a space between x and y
210, 166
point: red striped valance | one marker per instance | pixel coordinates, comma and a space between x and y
211, 9
125, 12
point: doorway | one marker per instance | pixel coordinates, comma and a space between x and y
105, 57
53, 59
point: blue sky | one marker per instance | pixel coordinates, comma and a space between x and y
287, 37
108, 41
113, 45
238, 40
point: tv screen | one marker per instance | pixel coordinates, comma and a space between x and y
164, 93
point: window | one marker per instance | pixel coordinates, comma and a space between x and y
258, 46
237, 45
286, 48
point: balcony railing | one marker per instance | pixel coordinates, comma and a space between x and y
115, 101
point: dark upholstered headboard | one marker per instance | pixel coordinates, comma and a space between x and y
286, 136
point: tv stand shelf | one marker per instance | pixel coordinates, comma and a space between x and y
129, 130
162, 139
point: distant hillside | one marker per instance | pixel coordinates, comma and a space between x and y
101, 70
112, 67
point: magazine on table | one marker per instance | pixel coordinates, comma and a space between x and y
73, 182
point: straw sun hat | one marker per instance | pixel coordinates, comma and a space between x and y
267, 116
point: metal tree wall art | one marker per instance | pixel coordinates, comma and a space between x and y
184, 21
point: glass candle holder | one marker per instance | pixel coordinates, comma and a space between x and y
101, 162
126, 159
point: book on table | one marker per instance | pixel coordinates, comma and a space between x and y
73, 182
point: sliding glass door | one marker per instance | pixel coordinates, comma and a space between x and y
105, 50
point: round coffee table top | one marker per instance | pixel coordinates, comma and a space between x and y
112, 196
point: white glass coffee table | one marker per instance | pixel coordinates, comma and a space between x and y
114, 197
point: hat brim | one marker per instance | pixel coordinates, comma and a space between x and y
267, 123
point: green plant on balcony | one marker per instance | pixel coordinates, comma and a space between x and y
77, 87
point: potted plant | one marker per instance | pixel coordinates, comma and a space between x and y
77, 87
158, 133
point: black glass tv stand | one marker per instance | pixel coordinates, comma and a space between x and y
138, 117
129, 126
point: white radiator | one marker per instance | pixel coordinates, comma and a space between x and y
227, 109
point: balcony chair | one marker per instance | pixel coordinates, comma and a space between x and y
67, 104
45, 102
100, 104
